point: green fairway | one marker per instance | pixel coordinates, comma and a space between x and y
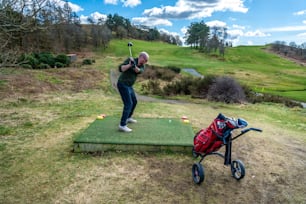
253, 66
148, 134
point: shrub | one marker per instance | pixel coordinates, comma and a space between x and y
175, 69
264, 97
152, 87
45, 58
64, 59
154, 72
26, 66
59, 65
166, 74
43, 66
30, 60
87, 62
179, 87
200, 86
227, 90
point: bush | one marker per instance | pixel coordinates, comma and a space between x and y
87, 62
43, 66
64, 59
179, 87
227, 90
154, 72
26, 66
152, 87
264, 97
175, 69
59, 65
200, 86
30, 60
45, 58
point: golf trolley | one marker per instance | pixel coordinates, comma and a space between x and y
208, 141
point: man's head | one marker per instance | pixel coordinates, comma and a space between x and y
143, 58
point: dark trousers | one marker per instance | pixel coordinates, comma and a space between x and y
129, 101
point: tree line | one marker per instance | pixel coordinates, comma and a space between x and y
291, 50
42, 26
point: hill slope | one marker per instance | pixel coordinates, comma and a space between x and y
252, 65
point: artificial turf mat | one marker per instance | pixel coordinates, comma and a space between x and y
149, 134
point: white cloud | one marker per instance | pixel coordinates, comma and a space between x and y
168, 32
232, 19
234, 34
131, 3
238, 27
231, 5
192, 9
287, 28
74, 7
126, 3
94, 16
250, 42
151, 22
83, 19
302, 35
256, 33
184, 30
299, 13
113, 2
304, 22
216, 23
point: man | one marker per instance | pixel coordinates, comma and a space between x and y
129, 69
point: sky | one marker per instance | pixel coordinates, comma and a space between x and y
248, 22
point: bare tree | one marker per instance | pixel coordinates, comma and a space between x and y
17, 19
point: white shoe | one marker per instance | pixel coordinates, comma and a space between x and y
124, 128
131, 120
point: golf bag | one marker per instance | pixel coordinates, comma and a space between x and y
214, 137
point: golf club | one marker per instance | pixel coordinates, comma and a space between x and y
130, 44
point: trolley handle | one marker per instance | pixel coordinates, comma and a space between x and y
245, 131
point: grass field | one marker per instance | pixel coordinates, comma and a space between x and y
42, 111
251, 65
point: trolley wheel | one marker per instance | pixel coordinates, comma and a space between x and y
238, 170
194, 154
198, 173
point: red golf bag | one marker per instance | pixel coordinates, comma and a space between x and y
214, 137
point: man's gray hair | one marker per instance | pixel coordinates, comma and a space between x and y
145, 54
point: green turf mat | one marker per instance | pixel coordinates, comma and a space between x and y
147, 132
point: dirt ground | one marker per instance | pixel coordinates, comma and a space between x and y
275, 160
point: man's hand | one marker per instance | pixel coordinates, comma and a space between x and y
136, 69
132, 62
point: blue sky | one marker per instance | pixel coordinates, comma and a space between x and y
249, 22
